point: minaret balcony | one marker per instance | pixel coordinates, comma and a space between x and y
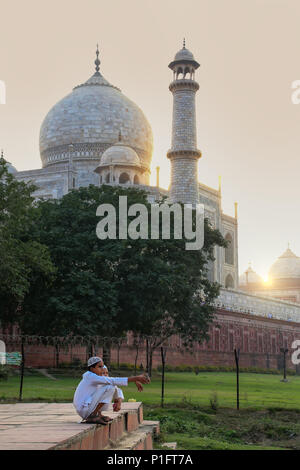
192, 153
184, 83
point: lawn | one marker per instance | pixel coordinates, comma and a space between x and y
199, 410
256, 390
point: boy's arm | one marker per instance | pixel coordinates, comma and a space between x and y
142, 379
118, 381
95, 379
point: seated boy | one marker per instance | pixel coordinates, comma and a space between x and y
89, 398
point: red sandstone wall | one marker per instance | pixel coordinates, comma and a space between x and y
259, 340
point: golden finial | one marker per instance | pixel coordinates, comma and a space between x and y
157, 176
97, 61
235, 210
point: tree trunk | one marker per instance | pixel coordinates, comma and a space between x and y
57, 356
107, 354
150, 362
147, 356
136, 358
91, 350
118, 359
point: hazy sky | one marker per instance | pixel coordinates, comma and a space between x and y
248, 128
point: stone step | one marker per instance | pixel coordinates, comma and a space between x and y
170, 445
98, 437
140, 439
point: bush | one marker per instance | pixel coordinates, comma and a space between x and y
4, 372
126, 366
76, 363
214, 401
201, 368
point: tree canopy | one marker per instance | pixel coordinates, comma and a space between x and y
107, 287
23, 259
58, 278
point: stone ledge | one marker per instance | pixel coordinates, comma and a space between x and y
45, 426
140, 439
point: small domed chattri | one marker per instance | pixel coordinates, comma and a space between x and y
250, 277
184, 54
287, 266
10, 168
184, 57
119, 154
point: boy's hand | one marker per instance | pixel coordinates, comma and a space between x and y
143, 379
139, 386
117, 404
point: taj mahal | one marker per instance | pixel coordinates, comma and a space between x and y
96, 135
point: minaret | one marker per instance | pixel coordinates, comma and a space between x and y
184, 154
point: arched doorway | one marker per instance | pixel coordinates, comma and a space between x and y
124, 178
229, 282
229, 255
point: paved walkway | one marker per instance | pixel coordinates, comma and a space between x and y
37, 426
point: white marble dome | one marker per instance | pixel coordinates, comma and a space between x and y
250, 277
11, 169
120, 154
287, 266
184, 54
90, 119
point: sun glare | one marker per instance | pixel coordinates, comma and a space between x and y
267, 281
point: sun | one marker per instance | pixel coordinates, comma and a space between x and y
267, 281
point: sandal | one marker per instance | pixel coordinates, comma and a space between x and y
107, 419
96, 420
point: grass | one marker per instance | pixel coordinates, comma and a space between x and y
256, 390
199, 411
227, 429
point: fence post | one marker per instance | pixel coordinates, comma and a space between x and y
237, 358
163, 360
147, 355
22, 369
284, 351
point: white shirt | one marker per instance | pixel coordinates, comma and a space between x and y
88, 385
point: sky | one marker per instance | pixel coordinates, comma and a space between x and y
248, 128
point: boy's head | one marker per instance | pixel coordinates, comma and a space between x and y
105, 371
95, 365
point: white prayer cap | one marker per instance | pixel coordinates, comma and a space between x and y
93, 360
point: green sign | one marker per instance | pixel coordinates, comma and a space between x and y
13, 358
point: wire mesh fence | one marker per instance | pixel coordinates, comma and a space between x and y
134, 354
72, 352
57, 351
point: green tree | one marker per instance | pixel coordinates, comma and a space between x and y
82, 300
108, 287
23, 260
164, 289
